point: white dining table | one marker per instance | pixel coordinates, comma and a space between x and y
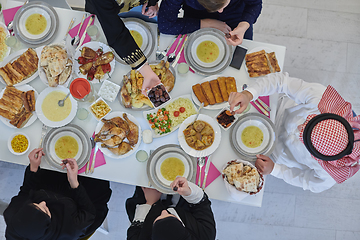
129, 170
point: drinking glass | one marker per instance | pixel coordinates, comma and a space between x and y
12, 42
93, 32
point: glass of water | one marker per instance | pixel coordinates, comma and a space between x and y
12, 42
93, 32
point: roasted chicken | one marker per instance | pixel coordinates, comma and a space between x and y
133, 135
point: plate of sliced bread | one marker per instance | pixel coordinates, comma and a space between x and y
19, 68
17, 106
261, 61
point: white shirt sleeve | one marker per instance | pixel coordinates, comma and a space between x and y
196, 194
141, 211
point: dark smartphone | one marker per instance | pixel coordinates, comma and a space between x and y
238, 57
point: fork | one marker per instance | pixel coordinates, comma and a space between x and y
159, 54
172, 56
201, 163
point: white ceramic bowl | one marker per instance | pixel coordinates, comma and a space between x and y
11, 138
92, 113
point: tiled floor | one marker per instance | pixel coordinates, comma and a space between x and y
323, 45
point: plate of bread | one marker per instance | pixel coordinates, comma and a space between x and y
261, 61
19, 68
17, 106
55, 65
213, 91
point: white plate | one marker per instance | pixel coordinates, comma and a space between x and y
94, 46
6, 34
23, 88
207, 37
106, 151
216, 106
41, 115
206, 151
27, 14
257, 49
155, 135
42, 73
12, 58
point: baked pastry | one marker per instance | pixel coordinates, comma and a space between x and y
199, 94
222, 86
261, 63
273, 62
208, 92
230, 85
216, 91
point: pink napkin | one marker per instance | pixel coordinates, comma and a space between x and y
266, 99
75, 29
99, 159
9, 14
182, 55
213, 173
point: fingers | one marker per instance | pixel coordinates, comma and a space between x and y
143, 9
263, 157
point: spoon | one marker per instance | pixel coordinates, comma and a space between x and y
172, 55
201, 163
61, 102
197, 115
75, 40
10, 25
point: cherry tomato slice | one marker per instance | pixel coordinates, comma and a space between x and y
176, 113
106, 68
182, 109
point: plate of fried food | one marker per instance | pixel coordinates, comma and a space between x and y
118, 135
200, 138
95, 61
213, 91
55, 65
130, 93
261, 61
17, 106
4, 50
242, 179
19, 68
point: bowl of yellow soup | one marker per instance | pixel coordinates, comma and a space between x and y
35, 23
18, 143
253, 134
207, 51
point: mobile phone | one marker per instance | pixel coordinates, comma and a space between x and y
238, 57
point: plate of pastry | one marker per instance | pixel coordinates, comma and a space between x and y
261, 61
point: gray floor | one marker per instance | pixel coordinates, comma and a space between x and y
323, 44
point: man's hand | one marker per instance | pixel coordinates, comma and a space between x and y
243, 98
213, 23
35, 158
151, 12
72, 171
151, 195
237, 35
181, 186
264, 164
150, 78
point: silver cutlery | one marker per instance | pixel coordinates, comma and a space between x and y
70, 26
201, 163
159, 55
10, 25
84, 34
93, 143
267, 108
75, 40
197, 115
62, 101
43, 133
179, 54
172, 56
168, 47
93, 160
207, 166
244, 86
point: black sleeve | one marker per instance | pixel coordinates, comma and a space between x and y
152, 2
117, 35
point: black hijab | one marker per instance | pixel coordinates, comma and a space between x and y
169, 228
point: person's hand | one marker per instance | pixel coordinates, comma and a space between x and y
150, 78
151, 195
35, 158
151, 12
237, 35
243, 98
213, 23
72, 171
264, 164
182, 186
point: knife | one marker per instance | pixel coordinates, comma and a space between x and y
84, 33
179, 54
43, 133
207, 166
267, 108
261, 108
93, 160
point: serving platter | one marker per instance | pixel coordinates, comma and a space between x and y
158, 156
74, 131
207, 151
12, 57
106, 151
23, 88
257, 49
222, 61
265, 125
6, 34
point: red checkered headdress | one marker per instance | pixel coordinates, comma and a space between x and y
330, 137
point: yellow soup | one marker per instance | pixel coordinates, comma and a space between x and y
137, 37
207, 51
66, 147
52, 110
172, 167
252, 136
35, 24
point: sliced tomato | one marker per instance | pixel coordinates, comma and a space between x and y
91, 73
182, 109
106, 68
176, 113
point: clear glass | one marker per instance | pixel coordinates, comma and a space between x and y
82, 114
142, 156
183, 68
93, 32
12, 42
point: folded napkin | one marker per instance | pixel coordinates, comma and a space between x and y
182, 56
266, 99
75, 29
9, 14
99, 159
213, 173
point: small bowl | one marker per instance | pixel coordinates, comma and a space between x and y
153, 102
109, 90
232, 123
11, 138
94, 103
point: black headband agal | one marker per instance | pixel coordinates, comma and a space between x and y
313, 122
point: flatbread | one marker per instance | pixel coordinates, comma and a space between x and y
244, 178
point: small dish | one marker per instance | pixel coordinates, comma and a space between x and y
226, 120
11, 139
158, 95
101, 106
108, 90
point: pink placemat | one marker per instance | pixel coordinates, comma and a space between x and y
212, 174
182, 55
99, 159
75, 29
9, 14
266, 99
